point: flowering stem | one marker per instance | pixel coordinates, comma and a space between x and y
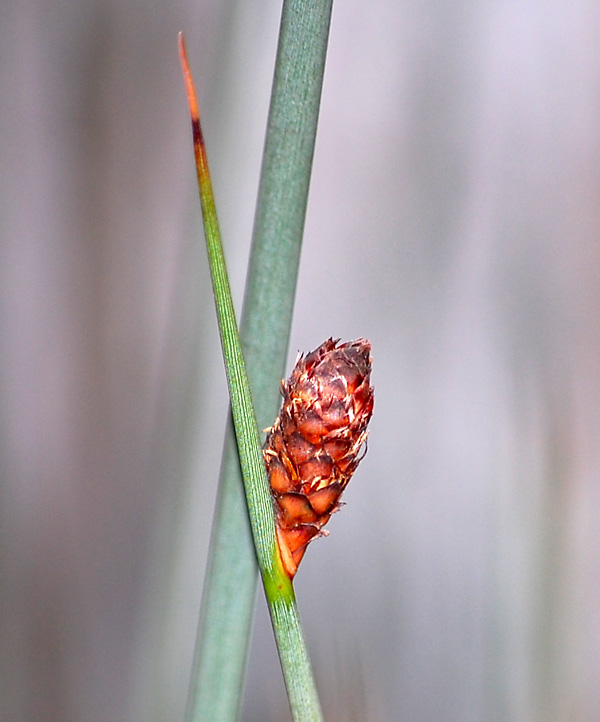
301, 688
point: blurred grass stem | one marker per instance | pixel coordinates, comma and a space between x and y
228, 601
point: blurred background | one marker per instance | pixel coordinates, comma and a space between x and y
454, 220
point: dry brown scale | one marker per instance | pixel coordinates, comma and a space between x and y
315, 444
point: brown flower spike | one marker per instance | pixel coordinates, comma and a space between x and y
315, 444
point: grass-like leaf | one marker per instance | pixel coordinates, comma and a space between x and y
301, 688
230, 583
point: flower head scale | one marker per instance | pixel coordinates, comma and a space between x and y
316, 442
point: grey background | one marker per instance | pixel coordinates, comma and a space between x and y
454, 219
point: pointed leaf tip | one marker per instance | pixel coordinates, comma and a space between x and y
187, 76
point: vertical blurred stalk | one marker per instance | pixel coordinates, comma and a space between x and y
230, 586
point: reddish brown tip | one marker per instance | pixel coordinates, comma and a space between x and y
187, 76
194, 112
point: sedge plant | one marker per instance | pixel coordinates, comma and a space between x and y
297, 671
230, 584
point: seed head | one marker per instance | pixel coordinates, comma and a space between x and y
315, 444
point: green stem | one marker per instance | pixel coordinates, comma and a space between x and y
300, 684
230, 583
